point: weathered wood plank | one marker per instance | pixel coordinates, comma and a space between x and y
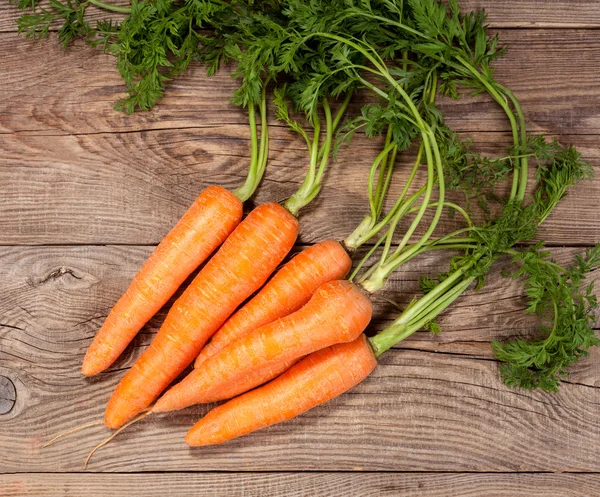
505, 14
301, 485
132, 188
433, 408
74, 91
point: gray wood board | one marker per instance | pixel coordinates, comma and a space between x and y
553, 73
131, 188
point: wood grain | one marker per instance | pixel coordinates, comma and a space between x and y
434, 403
301, 485
136, 185
507, 13
131, 188
75, 171
553, 72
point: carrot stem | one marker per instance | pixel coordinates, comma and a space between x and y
114, 8
258, 153
311, 186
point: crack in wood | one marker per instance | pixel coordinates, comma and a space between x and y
2, 325
455, 354
54, 275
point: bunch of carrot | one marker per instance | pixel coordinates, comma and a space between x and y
279, 342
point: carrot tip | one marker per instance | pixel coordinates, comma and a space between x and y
87, 370
160, 407
189, 440
91, 366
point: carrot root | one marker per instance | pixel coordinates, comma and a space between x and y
233, 388
314, 380
241, 266
205, 226
286, 292
68, 432
107, 440
337, 312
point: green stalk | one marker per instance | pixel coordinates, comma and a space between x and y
365, 258
358, 236
341, 110
326, 149
388, 179
258, 158
524, 158
311, 186
406, 325
377, 276
517, 187
401, 212
246, 190
114, 8
450, 205
376, 206
519, 136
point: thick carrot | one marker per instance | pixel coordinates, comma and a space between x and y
206, 224
337, 312
239, 268
320, 377
288, 290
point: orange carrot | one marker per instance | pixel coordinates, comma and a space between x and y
337, 312
288, 290
206, 224
238, 385
316, 379
239, 268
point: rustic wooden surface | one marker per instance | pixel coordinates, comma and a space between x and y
87, 193
300, 485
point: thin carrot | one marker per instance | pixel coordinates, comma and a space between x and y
206, 224
320, 377
337, 312
238, 386
239, 268
288, 290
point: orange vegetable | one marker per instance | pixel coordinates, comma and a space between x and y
337, 312
316, 379
241, 266
288, 290
205, 226
237, 386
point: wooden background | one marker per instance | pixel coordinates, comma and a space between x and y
88, 192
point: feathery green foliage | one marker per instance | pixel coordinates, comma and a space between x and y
72, 14
556, 294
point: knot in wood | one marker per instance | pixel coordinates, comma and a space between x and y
8, 395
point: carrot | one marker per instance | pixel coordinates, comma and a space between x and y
291, 287
320, 377
238, 386
206, 224
337, 312
239, 268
